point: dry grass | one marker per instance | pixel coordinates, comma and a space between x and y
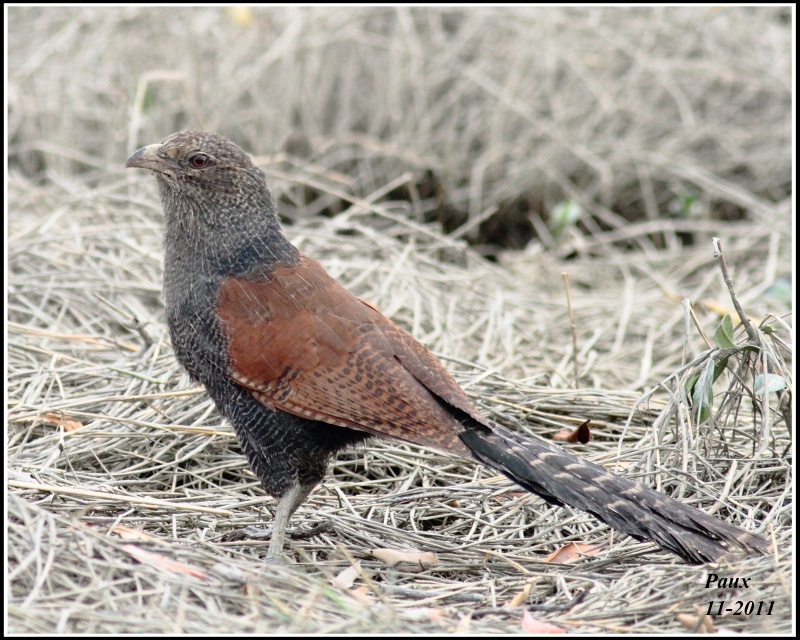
633, 115
102, 419
128, 497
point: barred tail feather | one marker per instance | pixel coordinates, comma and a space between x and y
627, 506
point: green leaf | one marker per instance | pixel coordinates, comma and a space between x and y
565, 214
768, 383
723, 336
703, 394
719, 367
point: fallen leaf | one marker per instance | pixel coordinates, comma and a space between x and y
393, 556
696, 623
160, 561
520, 597
126, 533
530, 624
347, 577
573, 551
580, 434
60, 420
360, 592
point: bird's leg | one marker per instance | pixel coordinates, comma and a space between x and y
287, 503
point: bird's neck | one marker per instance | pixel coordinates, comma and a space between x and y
201, 250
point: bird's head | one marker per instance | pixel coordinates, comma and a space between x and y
217, 207
205, 178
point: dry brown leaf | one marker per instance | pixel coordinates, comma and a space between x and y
580, 434
347, 577
360, 592
393, 556
573, 551
520, 597
126, 533
530, 624
696, 623
510, 495
160, 561
60, 420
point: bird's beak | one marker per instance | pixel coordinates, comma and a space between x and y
149, 158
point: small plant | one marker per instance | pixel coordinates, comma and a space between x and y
759, 379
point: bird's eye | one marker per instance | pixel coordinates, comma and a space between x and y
199, 160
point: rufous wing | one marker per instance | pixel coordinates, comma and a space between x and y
305, 345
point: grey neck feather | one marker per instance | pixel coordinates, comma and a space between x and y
206, 241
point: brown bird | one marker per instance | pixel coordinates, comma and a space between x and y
302, 368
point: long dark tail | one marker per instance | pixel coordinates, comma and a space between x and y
627, 506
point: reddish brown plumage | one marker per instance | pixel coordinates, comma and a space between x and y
309, 347
302, 368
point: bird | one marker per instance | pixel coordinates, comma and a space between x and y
303, 369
